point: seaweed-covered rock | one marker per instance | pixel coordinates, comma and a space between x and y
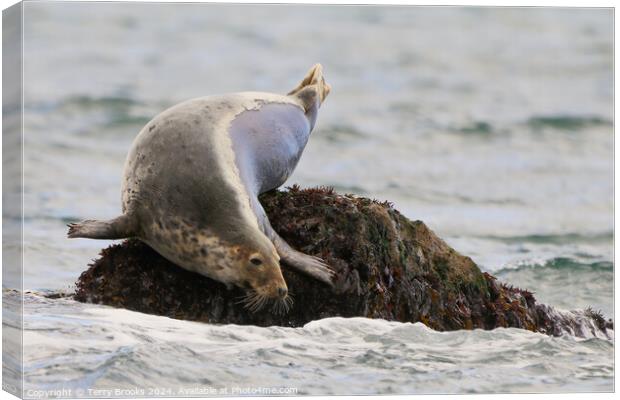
387, 267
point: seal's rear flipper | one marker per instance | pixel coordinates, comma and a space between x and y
312, 88
117, 228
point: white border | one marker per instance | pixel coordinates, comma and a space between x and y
506, 3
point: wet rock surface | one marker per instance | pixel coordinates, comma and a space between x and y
387, 267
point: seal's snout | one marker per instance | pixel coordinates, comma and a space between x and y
282, 292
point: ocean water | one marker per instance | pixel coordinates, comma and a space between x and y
494, 126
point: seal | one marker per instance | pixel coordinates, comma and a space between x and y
192, 179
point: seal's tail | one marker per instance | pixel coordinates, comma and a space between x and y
313, 85
117, 228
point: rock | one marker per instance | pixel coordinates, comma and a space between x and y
387, 267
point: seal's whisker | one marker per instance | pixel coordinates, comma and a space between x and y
263, 300
256, 305
255, 302
252, 301
251, 305
282, 306
278, 308
246, 298
243, 299
289, 299
245, 294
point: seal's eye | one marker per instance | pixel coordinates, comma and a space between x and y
256, 261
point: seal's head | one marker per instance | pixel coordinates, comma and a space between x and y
241, 256
261, 271
252, 263
258, 264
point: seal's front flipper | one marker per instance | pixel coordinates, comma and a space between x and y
117, 228
309, 265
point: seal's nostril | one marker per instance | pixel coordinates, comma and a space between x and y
282, 292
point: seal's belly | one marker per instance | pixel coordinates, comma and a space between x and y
268, 143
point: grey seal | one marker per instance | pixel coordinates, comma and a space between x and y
193, 176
